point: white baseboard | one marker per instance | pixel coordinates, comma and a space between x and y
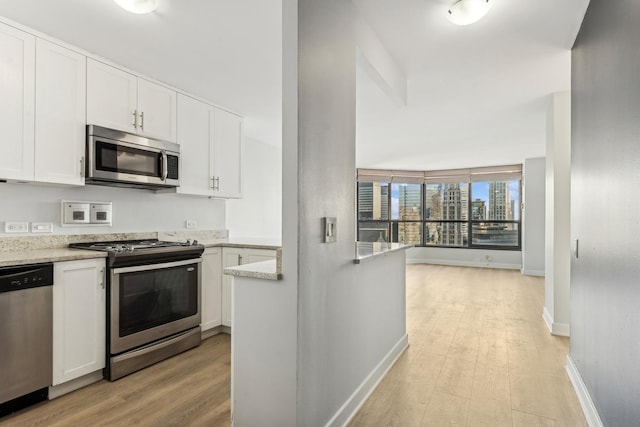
73, 385
548, 320
589, 409
457, 263
357, 399
561, 329
527, 272
556, 328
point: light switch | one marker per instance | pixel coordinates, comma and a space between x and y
329, 228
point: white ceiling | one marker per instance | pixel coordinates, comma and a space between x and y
226, 51
476, 94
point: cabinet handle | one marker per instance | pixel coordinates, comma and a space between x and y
216, 183
213, 183
239, 259
101, 272
135, 119
82, 166
142, 120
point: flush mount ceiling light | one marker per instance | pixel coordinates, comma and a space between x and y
138, 6
465, 12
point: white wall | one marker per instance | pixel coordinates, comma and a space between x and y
533, 217
466, 257
259, 213
557, 212
134, 210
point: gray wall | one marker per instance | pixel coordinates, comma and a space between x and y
605, 288
348, 318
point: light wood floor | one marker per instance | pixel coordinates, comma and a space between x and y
192, 388
480, 355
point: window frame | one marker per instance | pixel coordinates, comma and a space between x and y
394, 224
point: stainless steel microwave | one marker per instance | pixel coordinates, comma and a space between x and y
126, 160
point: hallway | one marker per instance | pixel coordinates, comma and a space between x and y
479, 355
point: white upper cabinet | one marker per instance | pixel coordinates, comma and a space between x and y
119, 100
196, 175
227, 154
17, 103
210, 148
111, 97
156, 111
60, 114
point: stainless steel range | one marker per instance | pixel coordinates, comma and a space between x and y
153, 308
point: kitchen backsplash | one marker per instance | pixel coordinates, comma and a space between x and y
22, 243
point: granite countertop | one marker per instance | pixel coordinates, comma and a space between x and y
36, 256
266, 270
258, 243
368, 250
32, 249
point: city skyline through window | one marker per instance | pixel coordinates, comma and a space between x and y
465, 214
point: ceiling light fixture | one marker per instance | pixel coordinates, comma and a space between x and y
138, 6
465, 12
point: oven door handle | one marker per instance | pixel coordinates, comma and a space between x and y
155, 266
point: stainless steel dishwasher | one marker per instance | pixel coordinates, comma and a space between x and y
26, 335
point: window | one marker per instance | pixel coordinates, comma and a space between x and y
471, 208
495, 213
373, 211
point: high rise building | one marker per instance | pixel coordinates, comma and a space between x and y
373, 201
478, 210
454, 207
410, 208
500, 206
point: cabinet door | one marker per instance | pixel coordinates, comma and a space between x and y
227, 156
195, 154
157, 111
78, 319
211, 303
232, 257
111, 97
17, 103
60, 114
258, 255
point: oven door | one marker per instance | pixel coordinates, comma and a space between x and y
151, 302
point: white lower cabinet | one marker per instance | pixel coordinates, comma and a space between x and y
238, 256
211, 296
78, 319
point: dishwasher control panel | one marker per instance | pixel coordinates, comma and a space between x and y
25, 277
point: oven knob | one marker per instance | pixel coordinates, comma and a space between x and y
195, 242
188, 242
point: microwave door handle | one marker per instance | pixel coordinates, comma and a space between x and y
165, 166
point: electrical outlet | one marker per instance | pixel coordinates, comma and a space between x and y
190, 223
42, 227
16, 227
